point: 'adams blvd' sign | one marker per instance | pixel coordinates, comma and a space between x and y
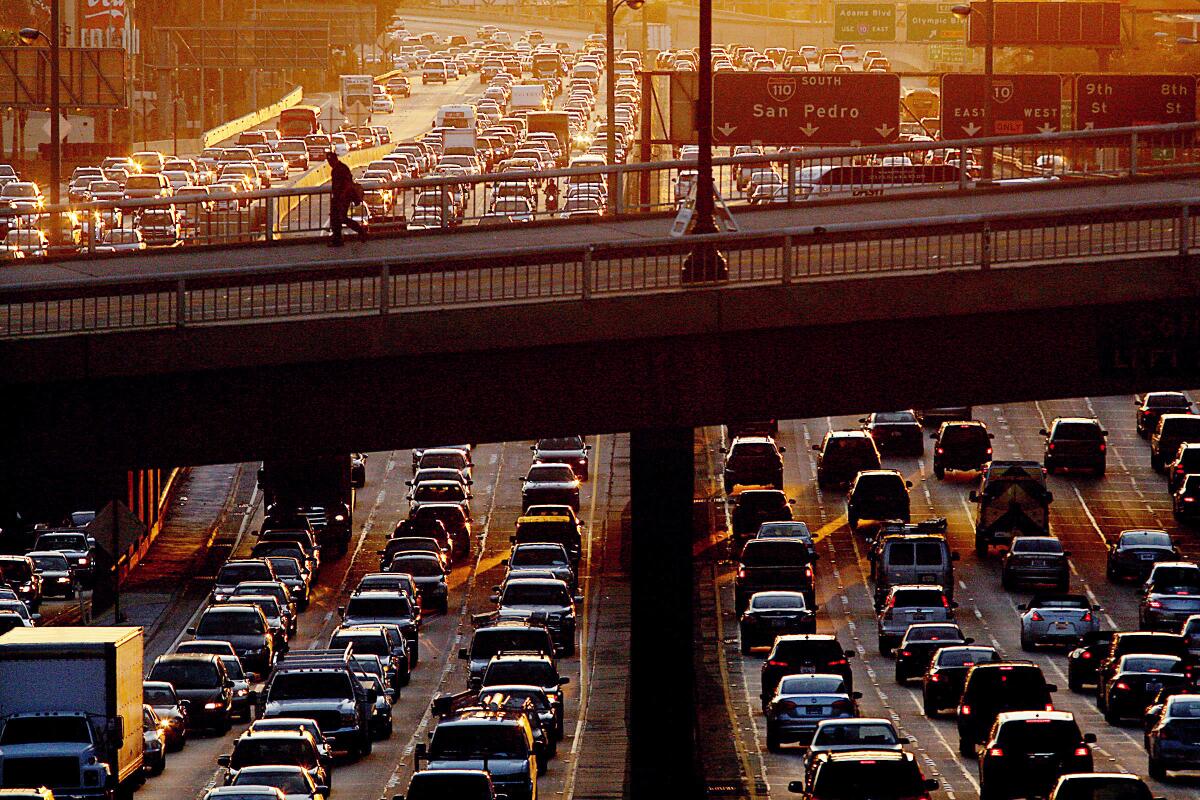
1021, 104
791, 109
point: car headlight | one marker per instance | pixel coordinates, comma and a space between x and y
243, 692
214, 705
83, 561
349, 717
63, 579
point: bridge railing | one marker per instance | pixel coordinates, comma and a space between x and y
579, 273
794, 178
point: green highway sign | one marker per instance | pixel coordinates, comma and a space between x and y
935, 22
948, 54
864, 22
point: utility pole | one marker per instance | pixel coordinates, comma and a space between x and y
55, 117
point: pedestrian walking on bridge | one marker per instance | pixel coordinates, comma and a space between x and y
344, 192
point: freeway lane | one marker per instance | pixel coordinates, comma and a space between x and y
380, 506
1086, 512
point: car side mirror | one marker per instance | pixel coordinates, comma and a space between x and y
1096, 608
1090, 738
504, 562
342, 611
791, 501
408, 483
1049, 497
191, 631
954, 556
462, 653
783, 449
495, 598
1021, 607
856, 695
323, 790
1051, 688
578, 598
255, 533
969, 640
817, 448
421, 751
533, 448
563, 681
933, 436
397, 797
223, 760
1066, 553
1104, 433
903, 740
931, 784
973, 496
185, 704
796, 787
849, 653
908, 484
815, 608
1137, 400
1042, 432
953, 605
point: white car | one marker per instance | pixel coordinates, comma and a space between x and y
121, 240
382, 104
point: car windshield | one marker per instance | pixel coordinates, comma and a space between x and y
538, 556
418, 566
287, 782
252, 752
198, 674
310, 685
775, 553
1037, 544
534, 594
62, 541
32, 730
868, 777
766, 602
378, 607
229, 623
452, 742
863, 734
1039, 735
233, 574
565, 443
155, 696
559, 473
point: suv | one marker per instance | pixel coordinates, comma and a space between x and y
1027, 751
20, 573
1036, 559
961, 446
201, 680
896, 431
1012, 500
563, 450
909, 603
321, 685
1186, 462
1151, 408
910, 554
1185, 500
529, 669
866, 773
774, 564
245, 627
259, 748
504, 636
239, 571
1135, 552
753, 507
1171, 431
804, 653
753, 461
498, 742
1075, 442
467, 784
541, 557
377, 607
990, 689
843, 454
550, 483
942, 684
521, 598
877, 495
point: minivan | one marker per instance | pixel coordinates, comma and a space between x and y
913, 559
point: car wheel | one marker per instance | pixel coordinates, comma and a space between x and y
159, 765
939, 472
966, 749
745, 646
1074, 682
926, 708
1156, 770
1026, 643
569, 647
899, 676
1110, 574
1006, 582
885, 647
981, 547
1100, 470
773, 743
1111, 716
416, 652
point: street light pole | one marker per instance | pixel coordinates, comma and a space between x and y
989, 89
610, 92
55, 112
702, 215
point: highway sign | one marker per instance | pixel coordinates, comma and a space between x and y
935, 22
864, 22
1118, 101
90, 77
947, 53
820, 108
1021, 104
1029, 23
684, 87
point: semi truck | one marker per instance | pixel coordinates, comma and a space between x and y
356, 98
318, 487
71, 711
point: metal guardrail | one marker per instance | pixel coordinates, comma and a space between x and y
573, 273
449, 202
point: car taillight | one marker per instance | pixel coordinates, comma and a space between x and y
1036, 617
989, 451
839, 662
808, 571
776, 663
787, 705
964, 710
995, 751
934, 677
1103, 447
1049, 706
945, 601
1050, 446
1189, 499
906, 653
1087, 617
1155, 604
1083, 750
741, 573
1086, 654
940, 450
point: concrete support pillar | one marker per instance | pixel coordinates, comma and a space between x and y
662, 717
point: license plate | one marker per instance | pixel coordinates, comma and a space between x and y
808, 667
918, 617
1153, 686
929, 578
1061, 626
778, 623
814, 711
1037, 562
1146, 556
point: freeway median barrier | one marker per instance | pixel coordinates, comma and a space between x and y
319, 176
248, 121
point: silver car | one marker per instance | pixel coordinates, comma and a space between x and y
907, 604
1056, 619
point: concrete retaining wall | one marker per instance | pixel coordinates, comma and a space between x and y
245, 123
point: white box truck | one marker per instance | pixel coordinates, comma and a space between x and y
356, 98
71, 710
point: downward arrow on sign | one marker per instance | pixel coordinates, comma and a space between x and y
727, 129
809, 129
1049, 128
884, 131
971, 129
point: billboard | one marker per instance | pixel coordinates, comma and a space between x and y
101, 22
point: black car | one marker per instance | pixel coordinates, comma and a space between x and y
877, 495
358, 470
946, 673
753, 507
1027, 751
1075, 443
964, 446
772, 614
991, 689
1036, 560
1185, 501
1136, 681
920, 642
1155, 404
1136, 642
764, 564
1186, 462
1174, 741
753, 461
550, 483
1135, 552
1083, 663
843, 454
563, 450
804, 653
202, 681
895, 432
882, 774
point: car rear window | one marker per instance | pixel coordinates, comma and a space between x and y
1037, 544
868, 777
884, 483
965, 658
1152, 664
771, 553
1039, 735
753, 450
918, 597
1015, 678
962, 434
808, 648
1187, 427
891, 417
1085, 431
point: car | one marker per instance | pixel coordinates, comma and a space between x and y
549, 557
1172, 430
383, 640
771, 614
1135, 642
1185, 501
877, 495
1036, 560
570, 450
766, 564
244, 793
259, 747
294, 782
523, 598
380, 607
201, 680
906, 604
1135, 681
1027, 751
437, 492
942, 683
1173, 743
804, 653
847, 735
990, 689
895, 432
1136, 551
861, 773
437, 784
245, 627
550, 483
1056, 619
295, 576
429, 573
911, 553
1083, 663
1099, 785
920, 642
1165, 606
799, 704
237, 571
936, 416
1075, 443
439, 547
58, 579
279, 622
961, 446
843, 454
75, 546
398, 86
1185, 462
171, 710
753, 461
753, 507
22, 575
1153, 405
531, 669
154, 742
